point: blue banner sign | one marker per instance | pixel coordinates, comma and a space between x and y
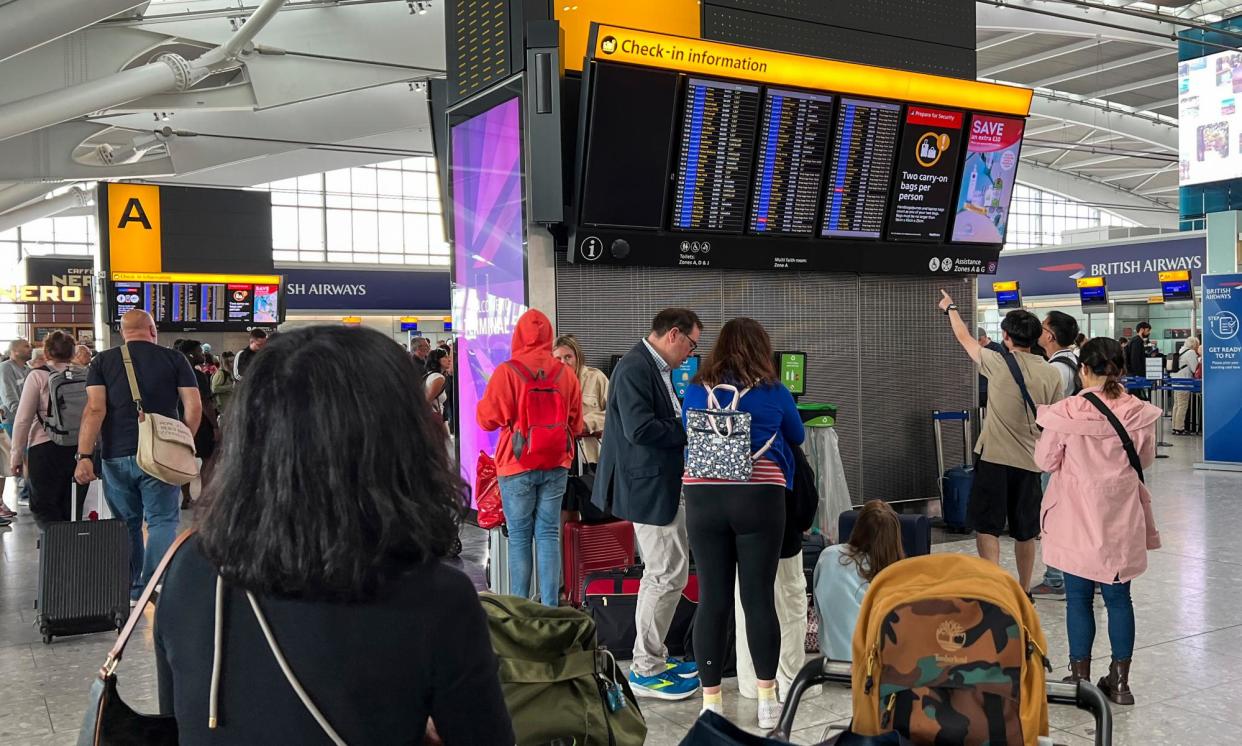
365, 290
1129, 267
1222, 368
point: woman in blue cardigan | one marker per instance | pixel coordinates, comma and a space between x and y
735, 526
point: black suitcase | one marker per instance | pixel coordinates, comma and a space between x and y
915, 532
83, 578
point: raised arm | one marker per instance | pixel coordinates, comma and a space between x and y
960, 331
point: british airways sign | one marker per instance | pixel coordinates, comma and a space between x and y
1128, 267
365, 290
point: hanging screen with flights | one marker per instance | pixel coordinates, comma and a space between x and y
865, 141
793, 145
717, 150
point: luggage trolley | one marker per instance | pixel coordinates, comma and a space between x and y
1084, 695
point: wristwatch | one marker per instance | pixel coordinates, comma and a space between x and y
83, 456
952, 307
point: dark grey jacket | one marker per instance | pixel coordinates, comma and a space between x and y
643, 453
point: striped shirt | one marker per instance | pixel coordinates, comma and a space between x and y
666, 372
765, 471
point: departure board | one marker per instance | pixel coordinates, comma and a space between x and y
719, 120
793, 146
217, 303
865, 143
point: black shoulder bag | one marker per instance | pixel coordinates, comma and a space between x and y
1126, 442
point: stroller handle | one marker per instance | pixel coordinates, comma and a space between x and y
1084, 696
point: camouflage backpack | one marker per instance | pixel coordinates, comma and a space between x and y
948, 649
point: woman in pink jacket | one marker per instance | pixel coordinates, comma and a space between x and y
1097, 519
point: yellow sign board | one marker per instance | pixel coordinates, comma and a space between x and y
1000, 287
649, 49
409, 319
1180, 275
134, 228
351, 320
1090, 282
677, 17
1154, 299
194, 277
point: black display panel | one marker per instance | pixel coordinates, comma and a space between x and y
628, 146
926, 166
205, 306
793, 148
716, 154
864, 144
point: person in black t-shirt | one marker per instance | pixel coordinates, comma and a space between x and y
167, 386
258, 338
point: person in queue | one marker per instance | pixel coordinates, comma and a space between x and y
223, 382
335, 515
1184, 369
47, 465
169, 388
738, 527
438, 367
642, 458
205, 436
531, 496
594, 395
420, 348
13, 374
81, 356
844, 573
258, 338
1098, 522
1136, 351
1006, 491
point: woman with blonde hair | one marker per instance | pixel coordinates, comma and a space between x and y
594, 394
1184, 368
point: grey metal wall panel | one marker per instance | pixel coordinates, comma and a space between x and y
821, 40
950, 22
876, 347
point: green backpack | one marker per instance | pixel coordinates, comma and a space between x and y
560, 687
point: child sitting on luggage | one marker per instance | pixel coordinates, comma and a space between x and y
845, 571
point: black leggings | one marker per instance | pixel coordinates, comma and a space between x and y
736, 527
50, 471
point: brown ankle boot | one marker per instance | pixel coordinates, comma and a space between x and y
1116, 686
1079, 671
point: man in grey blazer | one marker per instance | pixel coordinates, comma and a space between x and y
639, 479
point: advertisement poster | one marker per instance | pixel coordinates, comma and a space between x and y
925, 167
1222, 368
489, 261
988, 179
1210, 124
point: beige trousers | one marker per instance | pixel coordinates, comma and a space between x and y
791, 610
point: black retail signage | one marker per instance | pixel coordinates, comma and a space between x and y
926, 165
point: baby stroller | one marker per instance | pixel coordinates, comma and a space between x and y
947, 649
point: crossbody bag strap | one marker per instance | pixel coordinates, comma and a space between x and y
118, 648
1126, 442
1016, 371
133, 379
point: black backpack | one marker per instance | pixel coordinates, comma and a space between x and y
1073, 366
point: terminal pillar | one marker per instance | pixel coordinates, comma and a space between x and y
1224, 242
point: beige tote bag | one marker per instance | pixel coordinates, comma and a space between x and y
165, 444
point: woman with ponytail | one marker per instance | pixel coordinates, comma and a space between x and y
1097, 518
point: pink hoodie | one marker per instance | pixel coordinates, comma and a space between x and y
1097, 519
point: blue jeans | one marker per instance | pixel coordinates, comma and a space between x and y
134, 496
1080, 617
532, 502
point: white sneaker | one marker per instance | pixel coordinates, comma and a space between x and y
769, 713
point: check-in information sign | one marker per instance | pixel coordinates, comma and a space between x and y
1222, 368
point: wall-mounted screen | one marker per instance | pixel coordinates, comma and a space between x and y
987, 179
489, 261
793, 148
180, 301
1209, 120
1093, 294
717, 148
926, 166
1008, 295
1175, 286
864, 143
791, 366
684, 374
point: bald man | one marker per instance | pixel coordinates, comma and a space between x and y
168, 387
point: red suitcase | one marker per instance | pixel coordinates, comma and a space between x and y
593, 548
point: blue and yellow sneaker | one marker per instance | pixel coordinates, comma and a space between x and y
664, 685
684, 669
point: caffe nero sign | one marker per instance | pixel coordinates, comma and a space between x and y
1130, 267
365, 290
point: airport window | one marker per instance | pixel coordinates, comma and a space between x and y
388, 213
1039, 218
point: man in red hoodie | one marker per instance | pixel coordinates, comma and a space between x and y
525, 399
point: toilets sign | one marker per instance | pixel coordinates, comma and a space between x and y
1222, 368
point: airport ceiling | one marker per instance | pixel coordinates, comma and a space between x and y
335, 83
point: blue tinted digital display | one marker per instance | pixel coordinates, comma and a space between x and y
683, 375
1093, 296
1179, 290
1009, 299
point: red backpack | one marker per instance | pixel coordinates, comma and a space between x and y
541, 437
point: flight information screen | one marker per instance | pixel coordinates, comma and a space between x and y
793, 147
719, 120
178, 301
865, 138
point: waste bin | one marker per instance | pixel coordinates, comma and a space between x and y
824, 453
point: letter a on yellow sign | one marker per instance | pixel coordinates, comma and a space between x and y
134, 228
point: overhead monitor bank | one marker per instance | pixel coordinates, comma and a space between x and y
694, 153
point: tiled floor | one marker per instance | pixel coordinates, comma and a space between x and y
1187, 670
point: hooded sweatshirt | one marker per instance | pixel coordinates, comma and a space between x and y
1097, 519
532, 347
